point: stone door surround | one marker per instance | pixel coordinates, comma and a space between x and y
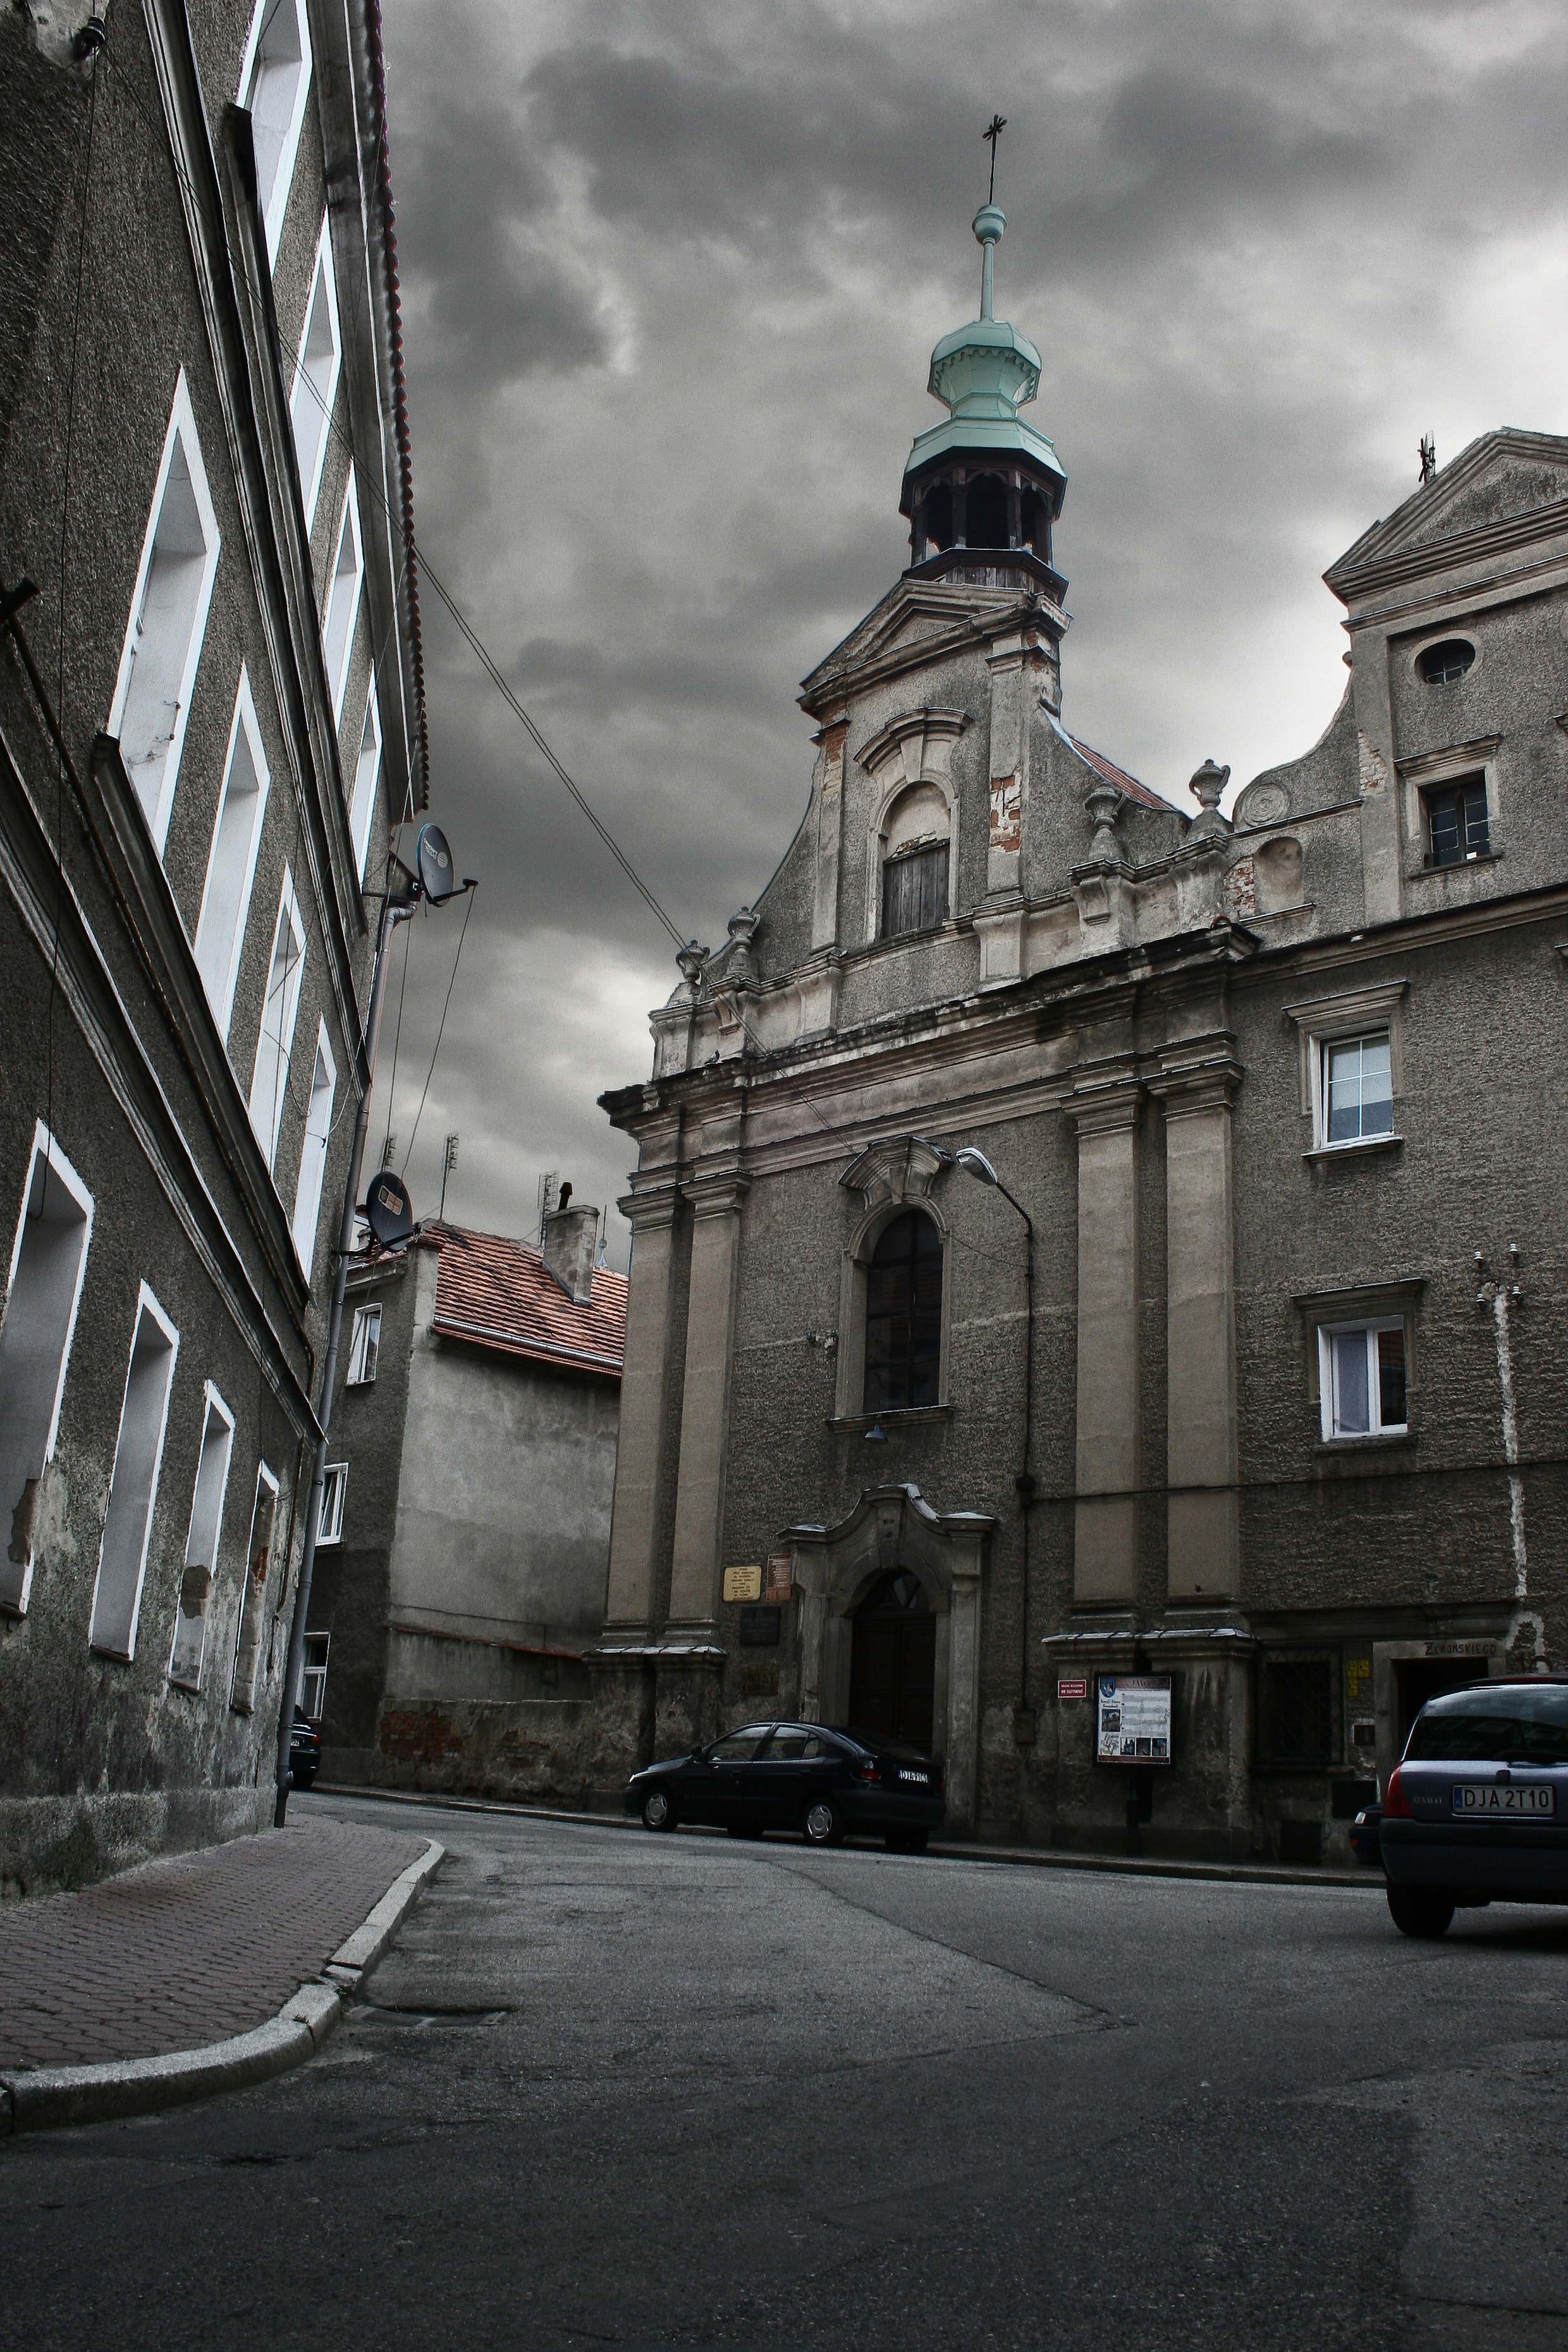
834, 1568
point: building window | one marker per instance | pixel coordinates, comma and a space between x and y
1362, 1378
1358, 1089
364, 1349
313, 1152
269, 1081
334, 1487
914, 892
1457, 827
133, 1483
274, 82
253, 1593
1297, 1726
1446, 665
202, 1543
48, 1264
313, 1676
168, 615
231, 861
343, 603
903, 1316
367, 771
316, 376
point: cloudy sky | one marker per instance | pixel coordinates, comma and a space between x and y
671, 272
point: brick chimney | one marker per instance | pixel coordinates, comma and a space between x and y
569, 1238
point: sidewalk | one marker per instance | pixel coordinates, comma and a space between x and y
190, 1952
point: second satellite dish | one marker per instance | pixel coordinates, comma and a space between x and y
389, 1211
435, 862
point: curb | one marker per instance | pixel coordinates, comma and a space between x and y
1252, 1873
50, 2098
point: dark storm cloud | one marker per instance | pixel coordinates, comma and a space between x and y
672, 282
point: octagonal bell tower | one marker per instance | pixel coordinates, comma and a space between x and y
983, 491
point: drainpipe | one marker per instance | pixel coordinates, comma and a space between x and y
1503, 1296
394, 909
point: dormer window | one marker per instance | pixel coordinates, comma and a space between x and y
1446, 665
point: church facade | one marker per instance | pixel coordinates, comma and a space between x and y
1078, 1240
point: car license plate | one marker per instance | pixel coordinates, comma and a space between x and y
1530, 1799
923, 1778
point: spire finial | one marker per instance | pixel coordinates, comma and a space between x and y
998, 123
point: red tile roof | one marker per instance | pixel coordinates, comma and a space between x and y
1120, 779
494, 1293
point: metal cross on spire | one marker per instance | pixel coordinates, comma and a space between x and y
998, 125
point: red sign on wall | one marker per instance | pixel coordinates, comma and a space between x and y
1076, 1687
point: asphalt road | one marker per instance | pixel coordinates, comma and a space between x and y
621, 2089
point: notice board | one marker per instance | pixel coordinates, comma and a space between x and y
1134, 1720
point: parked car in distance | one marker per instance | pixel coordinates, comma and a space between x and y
826, 1783
1477, 1810
304, 1751
1366, 1840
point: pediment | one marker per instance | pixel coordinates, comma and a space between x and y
1499, 481
916, 616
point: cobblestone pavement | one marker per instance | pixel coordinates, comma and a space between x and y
182, 1952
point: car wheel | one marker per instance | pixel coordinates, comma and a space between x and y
657, 1812
823, 1823
1423, 1911
907, 1841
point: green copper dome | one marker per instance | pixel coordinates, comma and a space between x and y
983, 374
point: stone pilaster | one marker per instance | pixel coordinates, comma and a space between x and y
645, 1386
1109, 1467
829, 783
1196, 1087
1380, 829
705, 1405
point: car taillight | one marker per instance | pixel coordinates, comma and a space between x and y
1396, 1803
867, 1772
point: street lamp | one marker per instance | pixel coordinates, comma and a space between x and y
974, 1163
434, 882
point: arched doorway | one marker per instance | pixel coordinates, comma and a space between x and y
892, 1661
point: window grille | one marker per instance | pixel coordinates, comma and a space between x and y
1298, 1726
1446, 665
903, 1316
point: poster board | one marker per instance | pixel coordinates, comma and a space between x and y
1134, 1719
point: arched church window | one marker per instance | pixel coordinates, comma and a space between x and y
985, 519
903, 1316
915, 864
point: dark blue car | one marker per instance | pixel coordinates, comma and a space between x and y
1477, 1811
828, 1784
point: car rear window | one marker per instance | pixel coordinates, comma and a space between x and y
1482, 1727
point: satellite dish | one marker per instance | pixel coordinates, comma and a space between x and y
389, 1211
435, 862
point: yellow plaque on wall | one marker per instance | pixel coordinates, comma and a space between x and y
742, 1584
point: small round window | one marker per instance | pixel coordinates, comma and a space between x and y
1446, 665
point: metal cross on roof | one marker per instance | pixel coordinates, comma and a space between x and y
998, 125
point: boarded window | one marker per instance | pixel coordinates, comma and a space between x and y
133, 1485
48, 1261
202, 1544
903, 1316
914, 891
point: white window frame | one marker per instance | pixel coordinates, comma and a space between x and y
147, 1308
219, 962
154, 789
365, 1342
28, 1377
313, 1152
1327, 1047
313, 1669
267, 1117
367, 775
204, 1535
308, 398
343, 661
1332, 1021
334, 1493
275, 200
1369, 1326
253, 1597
